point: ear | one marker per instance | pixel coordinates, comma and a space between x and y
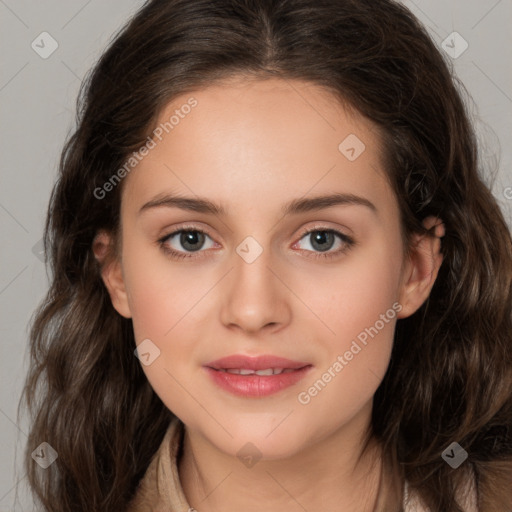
111, 272
422, 267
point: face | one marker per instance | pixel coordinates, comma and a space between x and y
275, 271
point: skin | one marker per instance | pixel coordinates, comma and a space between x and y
253, 146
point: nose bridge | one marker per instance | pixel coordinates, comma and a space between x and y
255, 297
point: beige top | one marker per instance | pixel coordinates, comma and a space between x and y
160, 489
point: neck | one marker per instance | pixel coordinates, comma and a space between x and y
329, 474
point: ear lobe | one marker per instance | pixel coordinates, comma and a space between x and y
111, 272
422, 267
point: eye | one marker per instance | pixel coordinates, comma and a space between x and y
183, 242
180, 242
324, 239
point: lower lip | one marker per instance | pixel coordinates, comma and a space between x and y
256, 385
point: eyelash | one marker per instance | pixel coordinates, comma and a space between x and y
348, 241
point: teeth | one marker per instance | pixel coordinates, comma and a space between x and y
268, 371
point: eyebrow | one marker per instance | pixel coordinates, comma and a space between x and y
302, 205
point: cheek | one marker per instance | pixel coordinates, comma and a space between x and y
160, 292
160, 297
164, 302
358, 303
352, 295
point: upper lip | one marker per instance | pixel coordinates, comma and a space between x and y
239, 361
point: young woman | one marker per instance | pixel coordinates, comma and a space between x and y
279, 281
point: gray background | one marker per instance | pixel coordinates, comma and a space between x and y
37, 101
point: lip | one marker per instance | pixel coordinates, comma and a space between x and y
255, 363
256, 386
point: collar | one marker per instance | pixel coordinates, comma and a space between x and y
160, 489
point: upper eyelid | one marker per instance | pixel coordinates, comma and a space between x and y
316, 227
323, 227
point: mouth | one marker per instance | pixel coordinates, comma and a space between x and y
256, 377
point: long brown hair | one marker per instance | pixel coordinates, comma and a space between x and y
450, 376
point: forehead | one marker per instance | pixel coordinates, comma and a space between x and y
252, 142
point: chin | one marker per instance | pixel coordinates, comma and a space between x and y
262, 442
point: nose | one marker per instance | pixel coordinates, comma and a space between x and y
254, 297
